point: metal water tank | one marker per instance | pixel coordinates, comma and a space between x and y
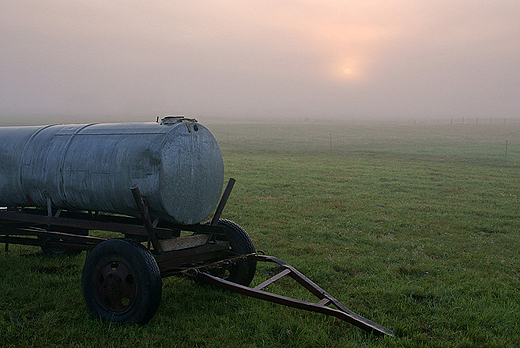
177, 165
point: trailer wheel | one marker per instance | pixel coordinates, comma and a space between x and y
50, 251
121, 282
244, 271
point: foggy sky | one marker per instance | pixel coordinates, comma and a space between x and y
91, 60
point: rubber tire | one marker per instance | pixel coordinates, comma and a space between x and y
63, 251
59, 251
243, 272
144, 274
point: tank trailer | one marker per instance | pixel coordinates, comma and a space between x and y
151, 183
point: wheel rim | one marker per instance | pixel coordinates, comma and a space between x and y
115, 288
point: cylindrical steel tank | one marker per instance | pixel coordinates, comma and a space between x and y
177, 165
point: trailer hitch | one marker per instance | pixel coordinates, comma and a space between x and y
324, 299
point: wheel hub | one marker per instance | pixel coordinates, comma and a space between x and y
116, 289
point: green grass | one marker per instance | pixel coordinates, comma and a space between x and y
413, 227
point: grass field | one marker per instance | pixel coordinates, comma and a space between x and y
414, 227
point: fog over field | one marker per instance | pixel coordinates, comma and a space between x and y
83, 61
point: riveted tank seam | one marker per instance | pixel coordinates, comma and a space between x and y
163, 142
24, 151
62, 164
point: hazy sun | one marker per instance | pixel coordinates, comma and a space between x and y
347, 70
350, 72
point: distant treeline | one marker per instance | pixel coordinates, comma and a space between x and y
418, 121
463, 120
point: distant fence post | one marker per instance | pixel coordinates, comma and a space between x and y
507, 142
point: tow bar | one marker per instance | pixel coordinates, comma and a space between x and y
203, 273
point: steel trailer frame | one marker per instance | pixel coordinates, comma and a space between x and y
202, 256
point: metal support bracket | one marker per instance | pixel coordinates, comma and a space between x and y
322, 306
145, 216
223, 201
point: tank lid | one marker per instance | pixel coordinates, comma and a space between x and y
174, 119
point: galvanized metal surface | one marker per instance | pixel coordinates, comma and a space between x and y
177, 165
